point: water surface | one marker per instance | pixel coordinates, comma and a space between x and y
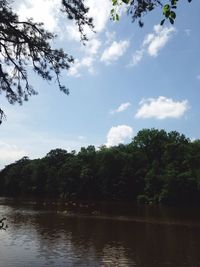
48, 233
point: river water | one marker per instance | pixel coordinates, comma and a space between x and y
48, 233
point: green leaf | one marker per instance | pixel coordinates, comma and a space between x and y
162, 22
114, 2
117, 17
173, 2
166, 8
166, 11
141, 24
172, 15
126, 1
112, 11
171, 20
167, 14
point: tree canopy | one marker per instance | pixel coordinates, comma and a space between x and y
157, 167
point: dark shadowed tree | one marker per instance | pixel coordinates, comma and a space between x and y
156, 167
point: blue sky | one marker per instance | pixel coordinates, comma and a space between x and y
124, 79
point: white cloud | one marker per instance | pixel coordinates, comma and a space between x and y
118, 135
73, 33
81, 137
46, 11
36, 145
188, 32
121, 108
10, 152
90, 49
116, 50
161, 108
86, 62
153, 43
159, 39
110, 36
100, 12
137, 57
92, 46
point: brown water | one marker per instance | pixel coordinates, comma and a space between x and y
48, 233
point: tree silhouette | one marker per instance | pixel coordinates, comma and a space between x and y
26, 45
156, 167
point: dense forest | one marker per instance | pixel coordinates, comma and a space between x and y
156, 167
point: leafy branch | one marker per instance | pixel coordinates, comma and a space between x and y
138, 8
26, 45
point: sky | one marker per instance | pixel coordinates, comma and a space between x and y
124, 79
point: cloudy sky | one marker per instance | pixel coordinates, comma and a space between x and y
124, 79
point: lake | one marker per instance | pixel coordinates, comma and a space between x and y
50, 233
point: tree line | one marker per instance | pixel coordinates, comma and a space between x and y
156, 167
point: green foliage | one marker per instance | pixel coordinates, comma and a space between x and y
142, 199
138, 8
156, 167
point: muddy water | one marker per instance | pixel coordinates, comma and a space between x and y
48, 233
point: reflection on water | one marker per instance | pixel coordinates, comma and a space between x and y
41, 234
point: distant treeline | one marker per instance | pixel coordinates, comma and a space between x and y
157, 167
